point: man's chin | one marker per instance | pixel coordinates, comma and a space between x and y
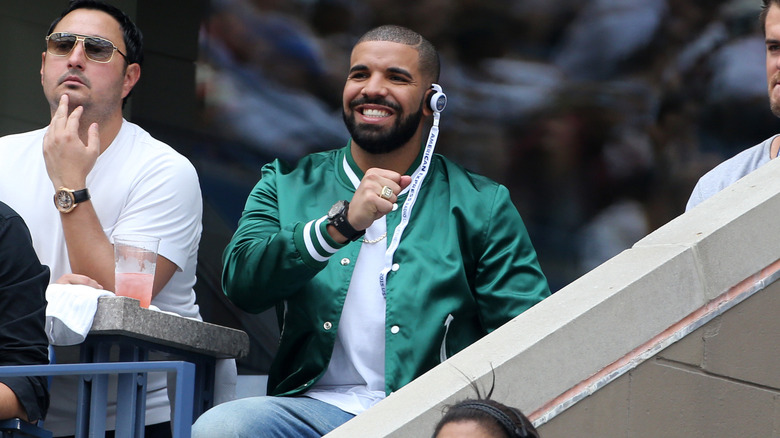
73, 103
75, 97
374, 147
775, 107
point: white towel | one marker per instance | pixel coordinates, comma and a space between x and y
70, 311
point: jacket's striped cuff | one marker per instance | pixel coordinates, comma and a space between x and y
314, 243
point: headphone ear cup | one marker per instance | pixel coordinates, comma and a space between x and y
437, 100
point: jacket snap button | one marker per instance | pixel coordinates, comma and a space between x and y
344, 261
396, 267
327, 325
395, 329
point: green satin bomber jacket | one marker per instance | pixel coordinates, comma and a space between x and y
466, 265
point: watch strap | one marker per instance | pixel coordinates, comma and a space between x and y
81, 195
342, 225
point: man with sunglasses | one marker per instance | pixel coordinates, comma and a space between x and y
107, 176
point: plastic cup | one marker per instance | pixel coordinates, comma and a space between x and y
135, 259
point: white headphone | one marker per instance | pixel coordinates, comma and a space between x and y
438, 99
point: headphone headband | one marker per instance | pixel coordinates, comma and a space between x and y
502, 418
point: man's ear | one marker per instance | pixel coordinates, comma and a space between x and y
427, 111
132, 75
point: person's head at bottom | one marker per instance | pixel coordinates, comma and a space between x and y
484, 419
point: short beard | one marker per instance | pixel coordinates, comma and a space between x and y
775, 107
373, 141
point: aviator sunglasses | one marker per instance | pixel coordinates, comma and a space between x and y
97, 49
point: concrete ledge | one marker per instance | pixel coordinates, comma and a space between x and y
553, 346
732, 232
601, 318
123, 315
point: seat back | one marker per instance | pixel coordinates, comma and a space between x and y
17, 428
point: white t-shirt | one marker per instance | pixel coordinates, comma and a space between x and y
138, 185
730, 171
355, 378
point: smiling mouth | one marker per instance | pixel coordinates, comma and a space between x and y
375, 113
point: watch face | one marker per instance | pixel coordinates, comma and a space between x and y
336, 209
64, 199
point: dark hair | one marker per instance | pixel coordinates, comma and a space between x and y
429, 57
497, 418
493, 416
134, 41
764, 11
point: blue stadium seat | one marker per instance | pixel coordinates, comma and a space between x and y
16, 428
91, 419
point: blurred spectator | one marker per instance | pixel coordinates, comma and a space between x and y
617, 28
554, 170
623, 191
258, 79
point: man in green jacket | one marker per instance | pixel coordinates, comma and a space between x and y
382, 258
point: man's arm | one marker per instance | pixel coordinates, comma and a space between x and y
509, 279
68, 162
23, 341
262, 264
9, 404
91, 254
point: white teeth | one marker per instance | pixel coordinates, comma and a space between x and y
375, 113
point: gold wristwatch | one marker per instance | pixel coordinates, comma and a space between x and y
66, 199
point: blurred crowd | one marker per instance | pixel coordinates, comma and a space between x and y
599, 115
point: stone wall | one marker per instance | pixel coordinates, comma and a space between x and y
673, 337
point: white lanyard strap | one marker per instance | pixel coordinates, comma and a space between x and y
411, 198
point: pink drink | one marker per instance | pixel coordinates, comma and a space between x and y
135, 285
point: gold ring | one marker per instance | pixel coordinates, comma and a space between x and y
386, 193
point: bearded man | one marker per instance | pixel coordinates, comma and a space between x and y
731, 170
382, 258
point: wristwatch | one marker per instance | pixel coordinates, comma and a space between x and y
66, 199
337, 216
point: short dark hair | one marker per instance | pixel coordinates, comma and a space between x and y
134, 41
764, 11
429, 57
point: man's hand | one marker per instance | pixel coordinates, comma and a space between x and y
68, 159
367, 204
78, 279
